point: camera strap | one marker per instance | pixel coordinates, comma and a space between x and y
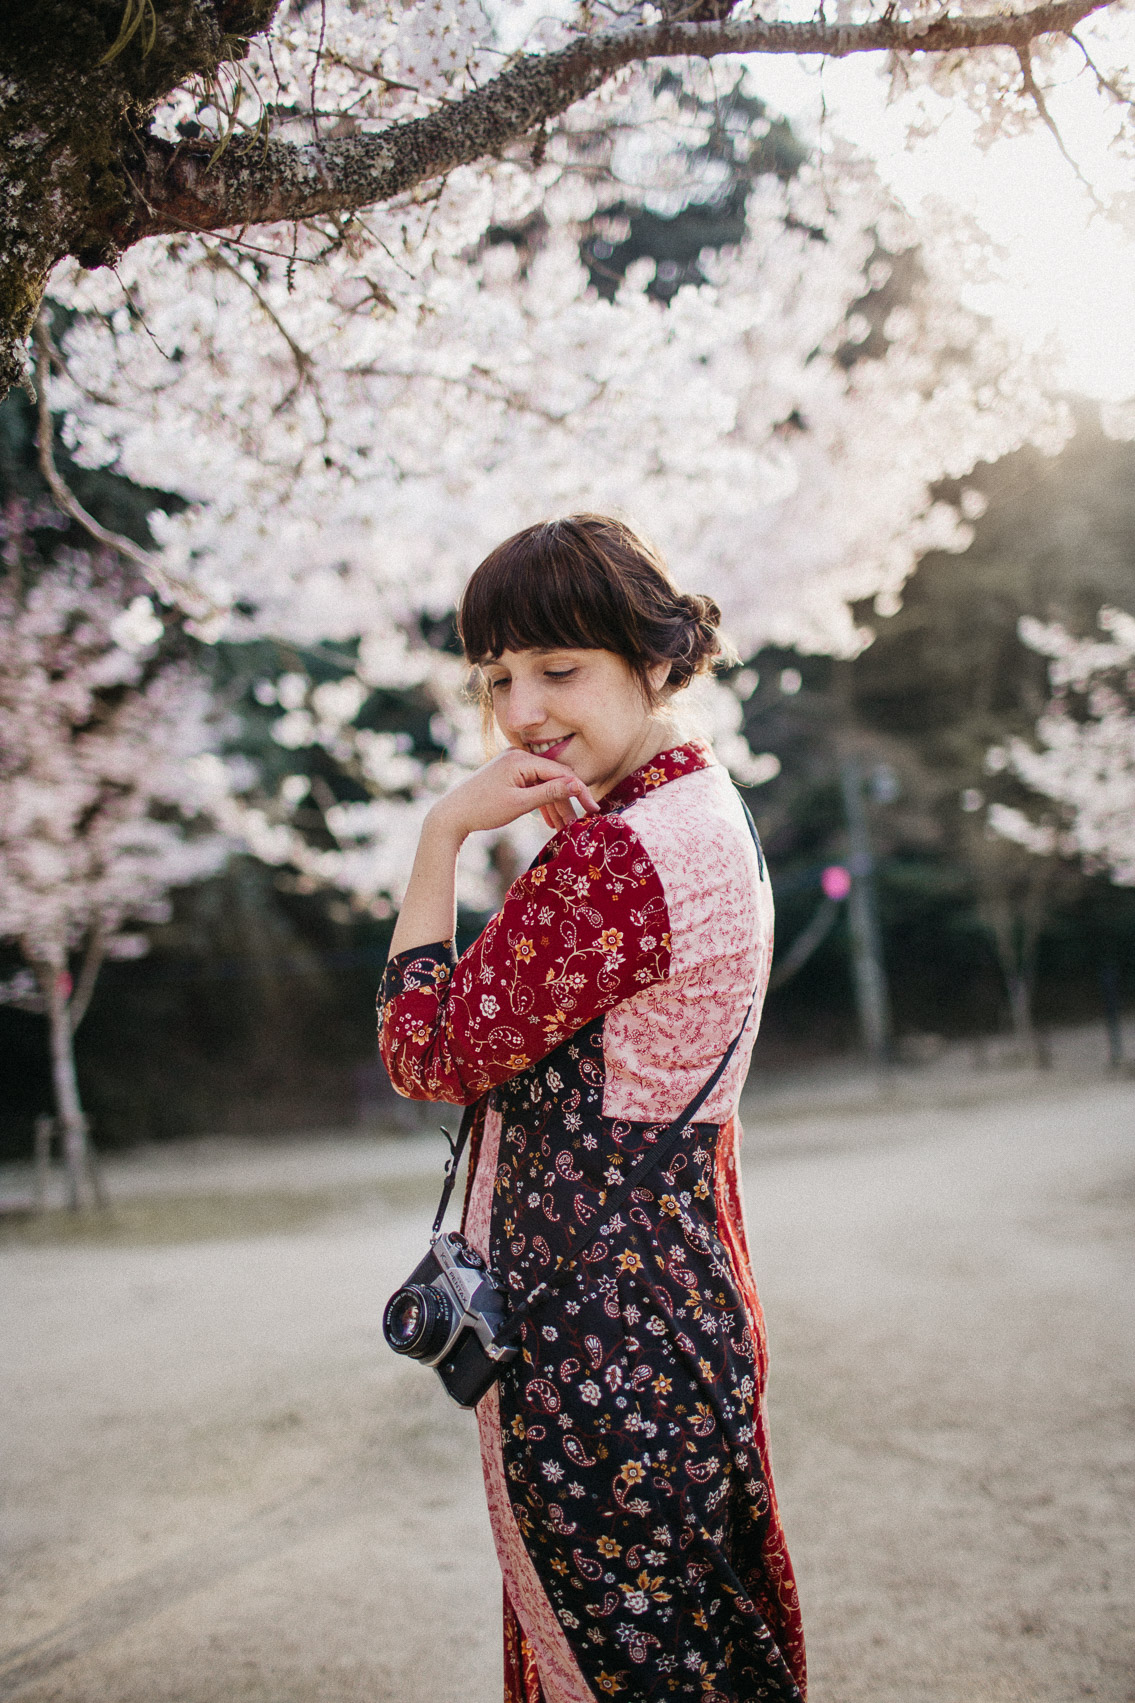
456, 1149
610, 1205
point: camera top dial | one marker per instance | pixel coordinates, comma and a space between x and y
464, 1253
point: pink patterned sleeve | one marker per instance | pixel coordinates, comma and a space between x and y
585, 927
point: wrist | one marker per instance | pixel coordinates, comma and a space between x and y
442, 830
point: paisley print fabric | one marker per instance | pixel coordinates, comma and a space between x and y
625, 1450
561, 1679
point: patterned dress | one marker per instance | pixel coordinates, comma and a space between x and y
625, 1450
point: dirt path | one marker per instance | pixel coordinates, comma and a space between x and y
217, 1486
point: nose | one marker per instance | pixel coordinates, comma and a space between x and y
524, 711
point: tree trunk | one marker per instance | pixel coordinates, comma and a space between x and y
871, 992
82, 1177
1017, 961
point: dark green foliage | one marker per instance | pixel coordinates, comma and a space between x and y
252, 1013
747, 143
114, 502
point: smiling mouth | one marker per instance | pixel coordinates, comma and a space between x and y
545, 747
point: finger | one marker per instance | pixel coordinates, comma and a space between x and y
530, 770
554, 794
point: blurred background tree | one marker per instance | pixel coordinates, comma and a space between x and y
254, 1008
980, 933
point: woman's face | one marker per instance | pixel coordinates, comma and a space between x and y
582, 708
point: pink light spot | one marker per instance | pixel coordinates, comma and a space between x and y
836, 881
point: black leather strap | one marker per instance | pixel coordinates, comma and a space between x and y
456, 1148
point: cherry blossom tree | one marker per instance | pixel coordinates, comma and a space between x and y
401, 398
98, 727
1081, 768
381, 100
356, 405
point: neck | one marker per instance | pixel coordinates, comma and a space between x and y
659, 734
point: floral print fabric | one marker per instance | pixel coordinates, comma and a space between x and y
585, 927
630, 1436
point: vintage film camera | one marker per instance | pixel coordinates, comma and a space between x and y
447, 1315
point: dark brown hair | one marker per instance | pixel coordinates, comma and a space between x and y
590, 583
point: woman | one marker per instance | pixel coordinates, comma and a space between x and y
624, 1451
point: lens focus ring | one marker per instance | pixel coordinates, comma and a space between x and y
418, 1321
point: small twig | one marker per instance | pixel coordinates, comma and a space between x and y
1033, 90
305, 366
166, 585
315, 67
369, 71
60, 490
1104, 84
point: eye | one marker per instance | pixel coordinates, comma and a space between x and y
558, 673
494, 685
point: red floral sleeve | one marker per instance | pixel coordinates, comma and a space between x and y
586, 927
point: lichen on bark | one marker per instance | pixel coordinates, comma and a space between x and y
70, 123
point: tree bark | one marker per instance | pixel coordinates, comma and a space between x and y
82, 1176
83, 175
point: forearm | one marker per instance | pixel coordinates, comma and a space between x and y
429, 910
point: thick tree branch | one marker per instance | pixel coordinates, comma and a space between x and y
251, 183
81, 174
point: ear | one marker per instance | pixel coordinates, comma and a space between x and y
657, 675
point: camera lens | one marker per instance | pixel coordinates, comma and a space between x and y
418, 1321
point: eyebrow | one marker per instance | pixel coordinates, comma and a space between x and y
537, 650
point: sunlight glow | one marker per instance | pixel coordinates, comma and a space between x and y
1062, 272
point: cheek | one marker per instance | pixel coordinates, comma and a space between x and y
617, 712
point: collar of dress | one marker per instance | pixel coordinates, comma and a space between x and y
666, 766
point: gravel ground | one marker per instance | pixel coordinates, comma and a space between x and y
217, 1486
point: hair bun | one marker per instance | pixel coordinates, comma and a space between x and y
698, 644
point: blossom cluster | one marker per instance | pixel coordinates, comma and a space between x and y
96, 737
1084, 759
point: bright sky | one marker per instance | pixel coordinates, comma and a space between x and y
1065, 270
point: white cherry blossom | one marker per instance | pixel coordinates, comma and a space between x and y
97, 737
1083, 760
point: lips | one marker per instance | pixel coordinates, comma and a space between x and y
550, 747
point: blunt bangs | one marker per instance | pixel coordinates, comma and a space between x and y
546, 588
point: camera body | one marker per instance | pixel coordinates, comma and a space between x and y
447, 1314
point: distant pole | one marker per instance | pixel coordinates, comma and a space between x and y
866, 946
44, 1130
1113, 1012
